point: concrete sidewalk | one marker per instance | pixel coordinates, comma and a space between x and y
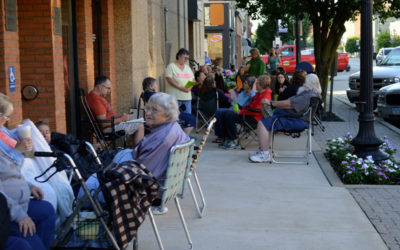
265, 206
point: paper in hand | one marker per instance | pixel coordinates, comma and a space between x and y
190, 84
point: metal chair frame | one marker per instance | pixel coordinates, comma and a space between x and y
177, 175
247, 131
106, 140
199, 149
275, 157
201, 117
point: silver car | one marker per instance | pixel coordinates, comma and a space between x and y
382, 53
389, 96
389, 102
386, 73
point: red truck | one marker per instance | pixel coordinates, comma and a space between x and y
287, 54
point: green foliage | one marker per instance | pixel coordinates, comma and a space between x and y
266, 32
340, 49
383, 40
351, 45
396, 41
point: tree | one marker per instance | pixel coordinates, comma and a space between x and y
327, 17
383, 40
351, 45
396, 41
266, 32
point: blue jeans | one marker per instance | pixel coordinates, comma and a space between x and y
42, 213
188, 106
218, 125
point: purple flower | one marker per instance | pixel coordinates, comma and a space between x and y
353, 168
380, 179
349, 172
385, 176
344, 162
346, 146
380, 173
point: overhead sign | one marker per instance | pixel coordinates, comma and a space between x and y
11, 78
216, 38
282, 29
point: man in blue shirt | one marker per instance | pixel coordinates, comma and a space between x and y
207, 59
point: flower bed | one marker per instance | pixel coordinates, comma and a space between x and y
354, 170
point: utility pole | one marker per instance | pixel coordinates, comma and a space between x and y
297, 31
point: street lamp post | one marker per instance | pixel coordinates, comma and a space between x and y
366, 143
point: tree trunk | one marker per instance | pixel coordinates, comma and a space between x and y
325, 46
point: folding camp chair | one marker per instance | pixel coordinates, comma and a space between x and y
275, 157
247, 131
207, 111
176, 177
199, 149
107, 140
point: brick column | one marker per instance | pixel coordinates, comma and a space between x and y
85, 44
42, 62
9, 56
107, 23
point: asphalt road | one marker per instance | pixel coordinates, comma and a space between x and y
341, 84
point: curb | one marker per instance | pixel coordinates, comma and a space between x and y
327, 170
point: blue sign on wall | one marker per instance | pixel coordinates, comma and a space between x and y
11, 77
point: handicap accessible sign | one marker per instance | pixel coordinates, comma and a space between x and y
11, 77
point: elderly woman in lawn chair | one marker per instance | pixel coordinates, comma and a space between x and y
154, 150
292, 116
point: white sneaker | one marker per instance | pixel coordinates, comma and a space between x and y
260, 157
157, 210
255, 152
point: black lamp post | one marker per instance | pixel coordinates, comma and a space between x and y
366, 143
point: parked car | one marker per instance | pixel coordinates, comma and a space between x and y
386, 73
382, 53
389, 102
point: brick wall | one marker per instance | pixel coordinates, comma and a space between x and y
85, 44
9, 56
41, 62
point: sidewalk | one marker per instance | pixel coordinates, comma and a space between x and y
264, 206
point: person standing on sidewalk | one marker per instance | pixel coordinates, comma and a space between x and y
178, 73
256, 66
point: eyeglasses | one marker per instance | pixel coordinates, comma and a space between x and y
5, 116
151, 109
186, 57
108, 88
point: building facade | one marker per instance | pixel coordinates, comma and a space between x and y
52, 49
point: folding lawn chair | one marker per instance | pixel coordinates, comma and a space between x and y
176, 177
206, 111
247, 131
199, 149
275, 157
107, 140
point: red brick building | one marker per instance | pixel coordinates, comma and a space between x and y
56, 47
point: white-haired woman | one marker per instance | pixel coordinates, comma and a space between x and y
295, 105
153, 151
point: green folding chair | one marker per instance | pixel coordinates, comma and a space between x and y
180, 160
